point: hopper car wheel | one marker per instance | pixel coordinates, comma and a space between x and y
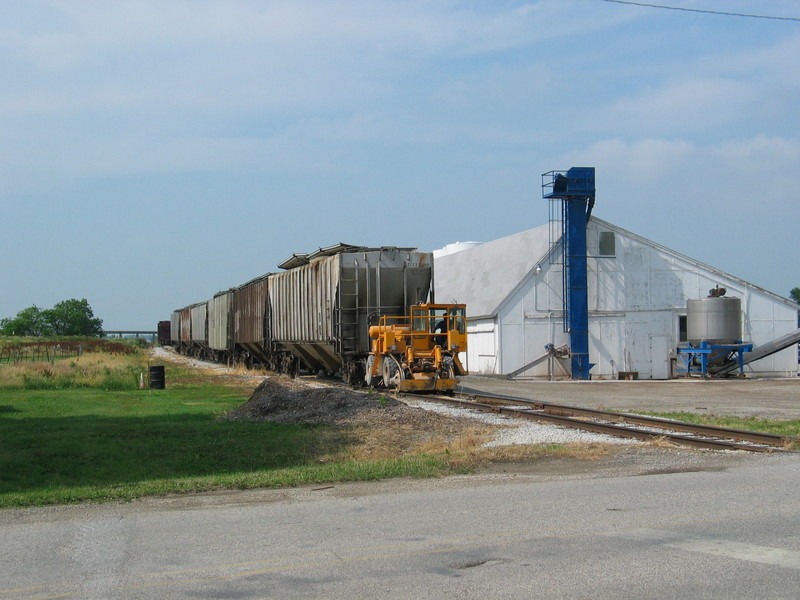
392, 373
368, 377
359, 371
354, 373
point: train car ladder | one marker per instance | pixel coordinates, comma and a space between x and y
348, 313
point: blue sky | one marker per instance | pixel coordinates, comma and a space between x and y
154, 153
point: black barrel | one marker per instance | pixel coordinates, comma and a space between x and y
157, 381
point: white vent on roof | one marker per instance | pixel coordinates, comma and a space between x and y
455, 247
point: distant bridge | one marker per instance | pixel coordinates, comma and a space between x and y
152, 335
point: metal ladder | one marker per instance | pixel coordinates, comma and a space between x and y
348, 313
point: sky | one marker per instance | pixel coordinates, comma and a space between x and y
154, 153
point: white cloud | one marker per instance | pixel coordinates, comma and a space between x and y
683, 107
731, 204
736, 169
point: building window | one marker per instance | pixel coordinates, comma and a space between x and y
607, 244
683, 336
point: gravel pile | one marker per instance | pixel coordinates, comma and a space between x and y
286, 400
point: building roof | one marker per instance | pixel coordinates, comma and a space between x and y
488, 273
485, 276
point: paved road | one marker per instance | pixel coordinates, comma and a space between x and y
724, 533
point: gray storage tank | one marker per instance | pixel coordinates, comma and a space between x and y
716, 319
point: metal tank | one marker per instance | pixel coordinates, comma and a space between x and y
716, 320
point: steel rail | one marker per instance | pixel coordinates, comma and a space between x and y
756, 437
567, 416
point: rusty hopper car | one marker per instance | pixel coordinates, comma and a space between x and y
181, 333
323, 304
185, 340
250, 322
220, 335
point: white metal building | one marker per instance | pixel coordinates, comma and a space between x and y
637, 305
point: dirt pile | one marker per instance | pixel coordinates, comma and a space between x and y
291, 401
286, 400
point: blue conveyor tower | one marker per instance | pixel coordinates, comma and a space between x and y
576, 190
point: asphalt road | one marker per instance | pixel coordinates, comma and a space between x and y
728, 529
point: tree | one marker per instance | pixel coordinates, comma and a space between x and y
29, 321
68, 317
794, 294
74, 317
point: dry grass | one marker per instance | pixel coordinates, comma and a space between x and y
92, 370
662, 442
791, 446
462, 445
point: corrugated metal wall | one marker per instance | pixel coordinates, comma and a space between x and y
250, 304
302, 301
175, 326
199, 316
637, 297
186, 324
219, 321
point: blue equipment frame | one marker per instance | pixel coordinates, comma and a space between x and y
576, 189
707, 353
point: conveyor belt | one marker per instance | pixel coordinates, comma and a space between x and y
760, 352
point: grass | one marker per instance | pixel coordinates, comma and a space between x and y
82, 430
748, 423
789, 428
88, 444
14, 350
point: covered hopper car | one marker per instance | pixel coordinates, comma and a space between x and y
316, 314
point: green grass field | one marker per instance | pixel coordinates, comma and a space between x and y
63, 442
80, 429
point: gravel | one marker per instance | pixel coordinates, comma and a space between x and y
291, 401
286, 400
514, 431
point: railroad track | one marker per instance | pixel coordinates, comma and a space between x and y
623, 424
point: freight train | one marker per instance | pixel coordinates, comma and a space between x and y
364, 314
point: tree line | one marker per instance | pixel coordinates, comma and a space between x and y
68, 317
